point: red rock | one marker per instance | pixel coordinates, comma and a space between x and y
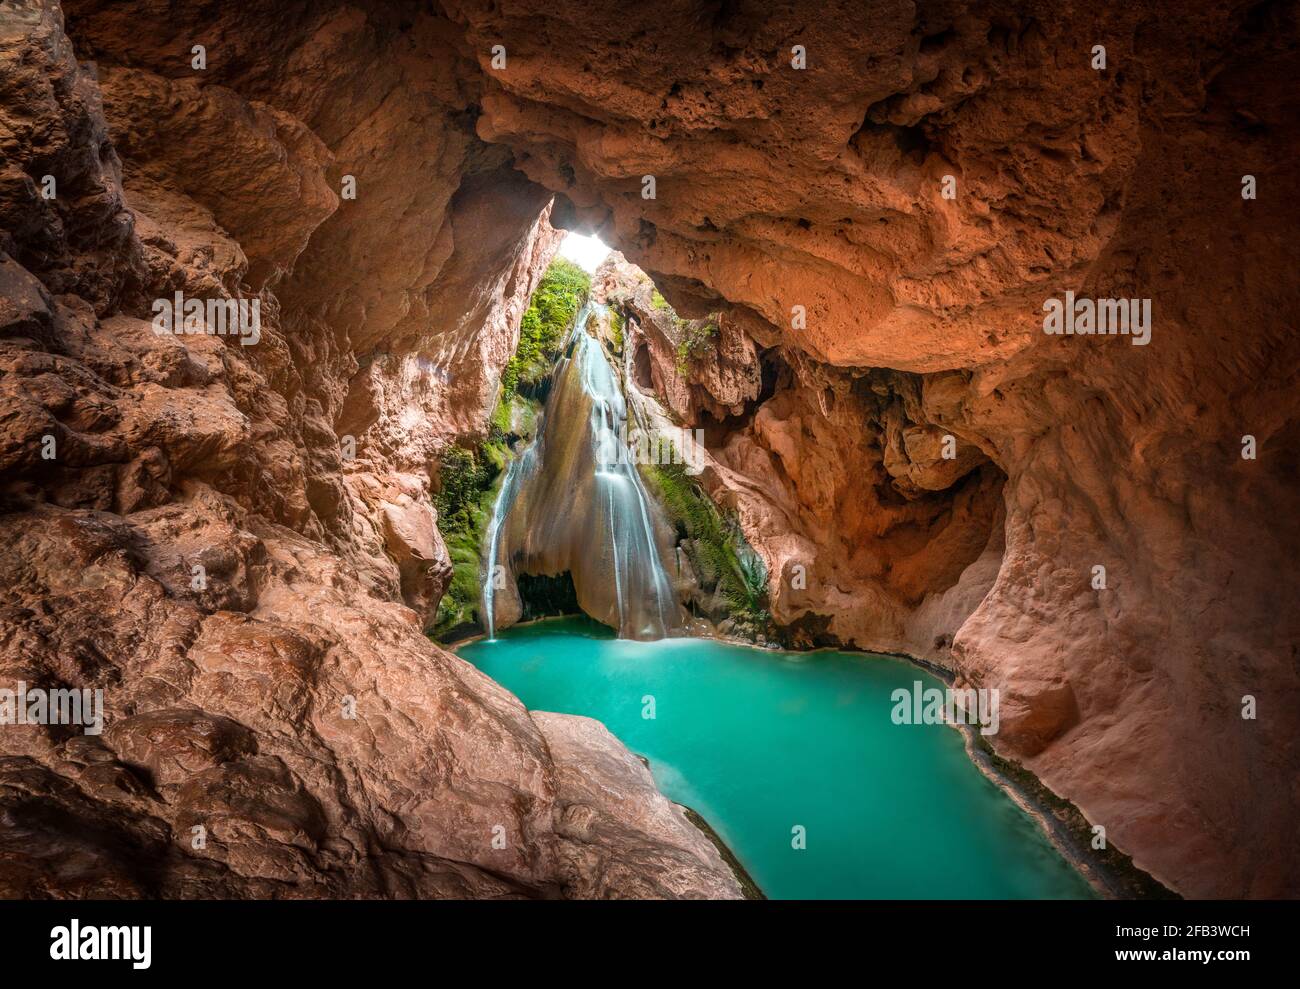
387, 319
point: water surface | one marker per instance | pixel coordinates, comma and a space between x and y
760, 742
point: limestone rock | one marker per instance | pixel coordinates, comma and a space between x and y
607, 799
872, 316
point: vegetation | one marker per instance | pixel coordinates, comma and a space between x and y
501, 420
464, 509
617, 325
716, 547
469, 475
559, 296
469, 479
722, 560
695, 340
465, 475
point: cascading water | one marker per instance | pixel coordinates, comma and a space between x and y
519, 467
571, 502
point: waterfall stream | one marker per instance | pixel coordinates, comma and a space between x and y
571, 501
519, 467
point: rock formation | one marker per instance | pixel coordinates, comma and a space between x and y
878, 227
696, 367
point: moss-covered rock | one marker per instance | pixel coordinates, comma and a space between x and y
559, 296
617, 328
469, 480
730, 574
696, 339
464, 506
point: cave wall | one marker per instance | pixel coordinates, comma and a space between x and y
386, 319
870, 535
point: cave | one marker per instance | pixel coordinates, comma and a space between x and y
641, 368
841, 280
548, 595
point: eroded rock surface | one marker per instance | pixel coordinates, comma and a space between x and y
387, 318
694, 367
600, 788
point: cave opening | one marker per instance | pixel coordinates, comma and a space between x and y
548, 595
641, 373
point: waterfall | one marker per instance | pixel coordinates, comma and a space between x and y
571, 502
505, 498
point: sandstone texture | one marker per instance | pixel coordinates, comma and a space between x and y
863, 320
600, 788
696, 368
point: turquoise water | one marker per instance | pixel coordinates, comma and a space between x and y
761, 742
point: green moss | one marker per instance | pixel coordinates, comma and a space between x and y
469, 475
616, 328
695, 340
501, 421
469, 480
464, 504
464, 476
717, 549
559, 296
459, 605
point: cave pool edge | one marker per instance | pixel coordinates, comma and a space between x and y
758, 742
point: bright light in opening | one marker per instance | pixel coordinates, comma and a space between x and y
586, 252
